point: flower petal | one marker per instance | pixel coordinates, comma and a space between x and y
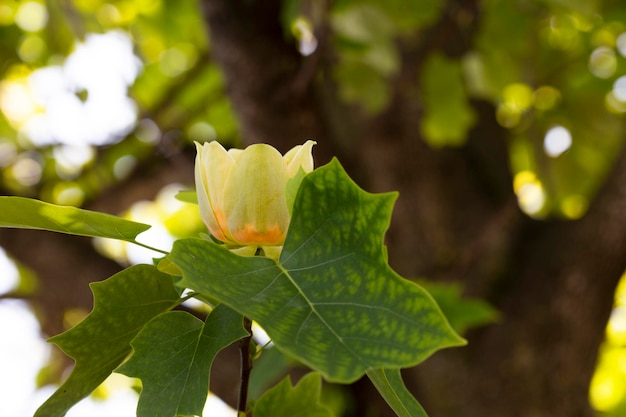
254, 197
213, 164
300, 156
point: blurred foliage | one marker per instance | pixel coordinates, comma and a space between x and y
177, 97
462, 313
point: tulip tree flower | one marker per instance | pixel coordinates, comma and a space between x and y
243, 194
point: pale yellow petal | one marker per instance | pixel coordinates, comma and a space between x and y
213, 165
254, 197
300, 156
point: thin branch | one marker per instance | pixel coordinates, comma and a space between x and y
246, 368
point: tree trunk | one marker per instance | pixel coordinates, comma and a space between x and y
456, 219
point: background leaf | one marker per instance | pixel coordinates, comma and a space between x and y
390, 385
331, 300
27, 213
303, 400
267, 369
448, 115
173, 355
461, 312
123, 304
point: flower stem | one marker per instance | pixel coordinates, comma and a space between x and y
246, 368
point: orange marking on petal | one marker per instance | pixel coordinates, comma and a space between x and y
249, 235
222, 226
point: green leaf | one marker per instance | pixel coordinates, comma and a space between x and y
27, 213
448, 115
187, 197
331, 300
267, 369
389, 384
172, 355
303, 400
462, 313
123, 304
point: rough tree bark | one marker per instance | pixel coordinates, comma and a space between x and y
456, 219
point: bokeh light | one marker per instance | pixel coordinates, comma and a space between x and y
31, 16
531, 195
557, 140
9, 275
603, 62
46, 106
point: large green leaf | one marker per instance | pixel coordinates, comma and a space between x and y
172, 355
27, 213
123, 304
331, 300
390, 385
303, 400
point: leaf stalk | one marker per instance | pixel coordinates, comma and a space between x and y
246, 368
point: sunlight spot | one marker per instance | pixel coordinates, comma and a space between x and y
6, 15
563, 32
31, 48
70, 159
166, 199
557, 140
157, 236
530, 193
302, 30
8, 152
614, 105
124, 166
620, 292
602, 62
108, 15
621, 44
112, 248
148, 132
27, 171
574, 206
121, 402
518, 97
507, 117
173, 62
10, 276
215, 407
603, 394
616, 330
16, 101
28, 353
546, 97
103, 62
31, 16
202, 132
619, 88
83, 101
195, 304
68, 194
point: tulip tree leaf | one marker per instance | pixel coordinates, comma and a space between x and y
303, 400
331, 300
123, 304
28, 213
390, 385
187, 197
172, 355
